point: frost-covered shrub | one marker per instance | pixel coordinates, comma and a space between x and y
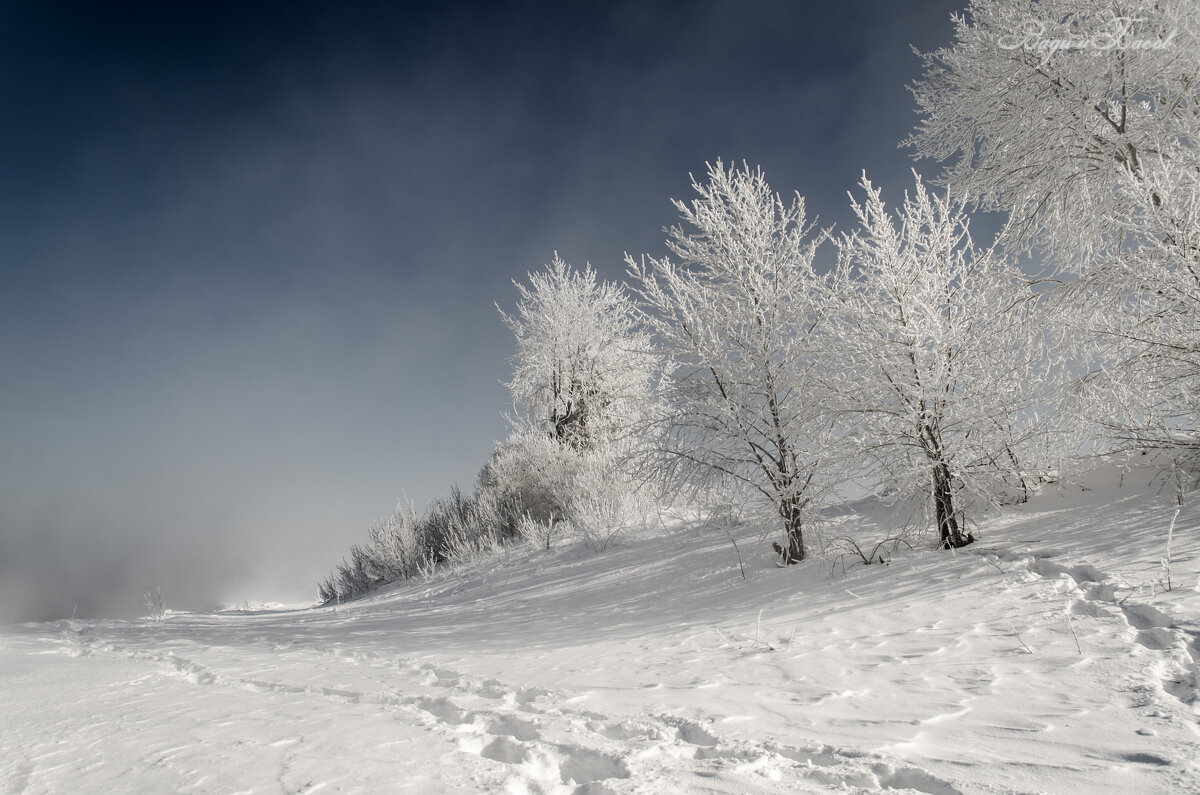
535, 475
396, 545
607, 498
154, 602
540, 535
327, 589
458, 528
447, 522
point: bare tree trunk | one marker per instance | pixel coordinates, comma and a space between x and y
790, 511
949, 534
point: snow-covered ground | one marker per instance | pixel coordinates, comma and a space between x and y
1047, 657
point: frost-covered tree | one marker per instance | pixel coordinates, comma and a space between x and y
941, 373
1140, 311
1082, 119
583, 378
1045, 108
737, 313
583, 370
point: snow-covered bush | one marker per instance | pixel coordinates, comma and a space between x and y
155, 604
395, 545
401, 545
450, 524
351, 578
540, 535
536, 481
533, 474
608, 501
460, 529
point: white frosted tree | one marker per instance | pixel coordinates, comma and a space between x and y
1045, 108
941, 373
1081, 118
583, 383
583, 371
737, 313
1140, 311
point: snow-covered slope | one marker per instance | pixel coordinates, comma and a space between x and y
1047, 657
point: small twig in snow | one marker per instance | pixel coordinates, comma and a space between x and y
1071, 626
1018, 634
1166, 562
757, 640
735, 549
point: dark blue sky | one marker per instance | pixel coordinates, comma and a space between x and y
249, 251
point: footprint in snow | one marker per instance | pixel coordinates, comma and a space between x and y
692, 733
439, 677
570, 764
582, 766
624, 730
493, 688
1154, 629
1156, 638
507, 750
513, 727
444, 710
195, 673
913, 778
529, 695
1146, 617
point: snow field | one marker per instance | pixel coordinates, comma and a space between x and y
1045, 658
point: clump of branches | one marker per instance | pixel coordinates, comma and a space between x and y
155, 604
843, 548
405, 544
